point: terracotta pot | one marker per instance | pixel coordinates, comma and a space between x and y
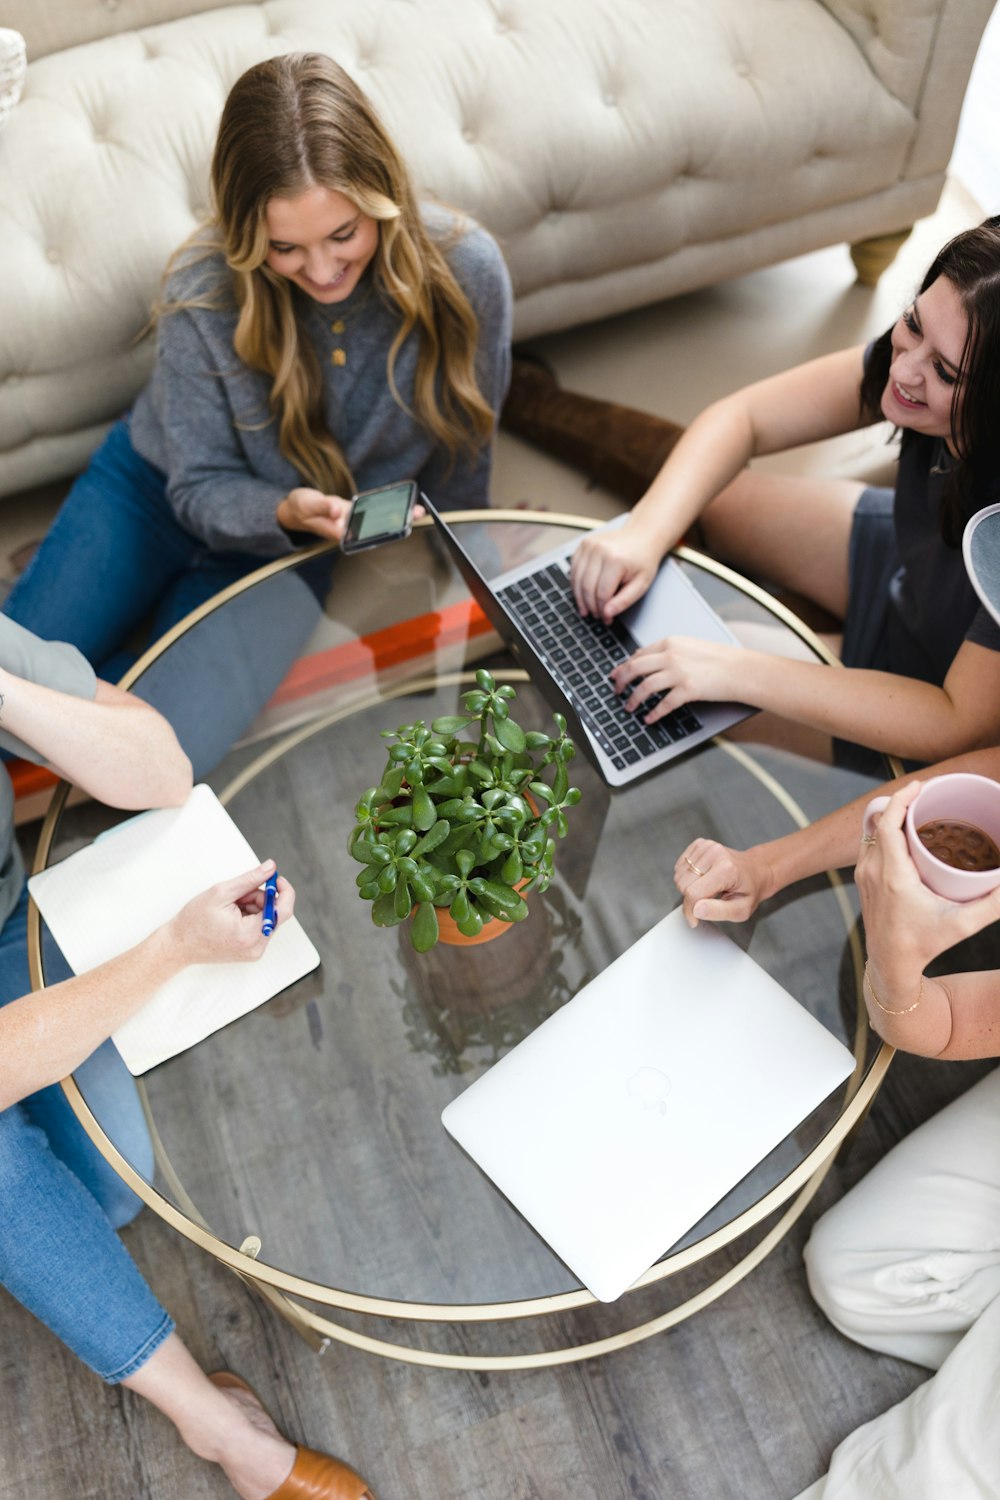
448, 928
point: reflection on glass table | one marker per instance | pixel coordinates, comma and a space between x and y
309, 1132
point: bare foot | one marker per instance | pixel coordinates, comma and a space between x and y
257, 1459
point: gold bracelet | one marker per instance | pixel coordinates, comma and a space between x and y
885, 1008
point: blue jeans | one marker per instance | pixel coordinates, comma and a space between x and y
60, 1201
116, 557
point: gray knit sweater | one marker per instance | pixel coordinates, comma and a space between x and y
204, 419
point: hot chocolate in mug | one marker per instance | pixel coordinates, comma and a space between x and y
956, 799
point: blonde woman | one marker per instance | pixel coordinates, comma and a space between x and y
324, 333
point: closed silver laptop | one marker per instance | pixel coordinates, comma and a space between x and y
626, 1116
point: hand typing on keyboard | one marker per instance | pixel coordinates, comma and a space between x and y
610, 570
681, 670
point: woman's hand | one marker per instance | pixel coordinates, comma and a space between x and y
688, 671
611, 570
311, 510
223, 924
906, 924
720, 884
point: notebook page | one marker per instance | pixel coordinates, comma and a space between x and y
109, 896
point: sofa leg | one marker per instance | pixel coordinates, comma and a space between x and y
871, 257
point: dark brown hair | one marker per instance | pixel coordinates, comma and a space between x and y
971, 262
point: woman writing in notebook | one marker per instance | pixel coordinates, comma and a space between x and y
60, 1201
925, 663
323, 333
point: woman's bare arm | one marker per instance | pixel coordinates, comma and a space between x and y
116, 747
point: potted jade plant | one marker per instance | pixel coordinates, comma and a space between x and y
462, 824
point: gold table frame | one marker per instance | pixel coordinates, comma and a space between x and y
284, 1290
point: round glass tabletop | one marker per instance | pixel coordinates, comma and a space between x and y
309, 1131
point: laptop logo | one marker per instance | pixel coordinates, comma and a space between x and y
649, 1087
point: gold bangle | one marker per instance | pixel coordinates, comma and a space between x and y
885, 1008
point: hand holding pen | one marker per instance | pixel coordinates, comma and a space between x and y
226, 923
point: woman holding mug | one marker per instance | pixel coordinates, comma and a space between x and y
925, 664
323, 333
908, 1263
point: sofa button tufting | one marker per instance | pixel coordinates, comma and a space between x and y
611, 101
53, 255
502, 28
743, 70
468, 135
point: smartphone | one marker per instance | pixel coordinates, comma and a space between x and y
382, 515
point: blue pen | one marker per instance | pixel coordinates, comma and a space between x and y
269, 920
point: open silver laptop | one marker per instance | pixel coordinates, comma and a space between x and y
570, 659
626, 1116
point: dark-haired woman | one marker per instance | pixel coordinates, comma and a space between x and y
925, 659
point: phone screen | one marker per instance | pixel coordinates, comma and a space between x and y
380, 514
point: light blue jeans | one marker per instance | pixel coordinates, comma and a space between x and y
116, 558
60, 1202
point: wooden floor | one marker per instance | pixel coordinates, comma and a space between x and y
743, 1402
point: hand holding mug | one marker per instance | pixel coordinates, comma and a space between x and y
952, 829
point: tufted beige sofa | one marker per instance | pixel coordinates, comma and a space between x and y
621, 150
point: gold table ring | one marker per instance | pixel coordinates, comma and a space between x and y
692, 866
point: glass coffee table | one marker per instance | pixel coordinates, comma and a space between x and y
302, 1145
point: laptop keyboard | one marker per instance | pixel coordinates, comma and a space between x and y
581, 653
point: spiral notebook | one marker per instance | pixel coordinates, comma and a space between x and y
112, 894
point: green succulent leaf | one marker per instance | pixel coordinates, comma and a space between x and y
485, 680
423, 886
450, 724
387, 879
424, 932
402, 900
432, 838
465, 861
471, 925
396, 817
392, 783
424, 814
369, 891
497, 895
535, 740
512, 869
541, 791
405, 840
384, 911
510, 735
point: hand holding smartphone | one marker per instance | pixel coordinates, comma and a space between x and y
380, 515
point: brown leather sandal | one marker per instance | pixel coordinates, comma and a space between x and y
314, 1476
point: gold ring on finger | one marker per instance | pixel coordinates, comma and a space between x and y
692, 866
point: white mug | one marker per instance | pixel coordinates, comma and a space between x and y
966, 798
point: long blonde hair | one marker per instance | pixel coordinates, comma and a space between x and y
299, 121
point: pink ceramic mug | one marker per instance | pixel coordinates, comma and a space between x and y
966, 798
